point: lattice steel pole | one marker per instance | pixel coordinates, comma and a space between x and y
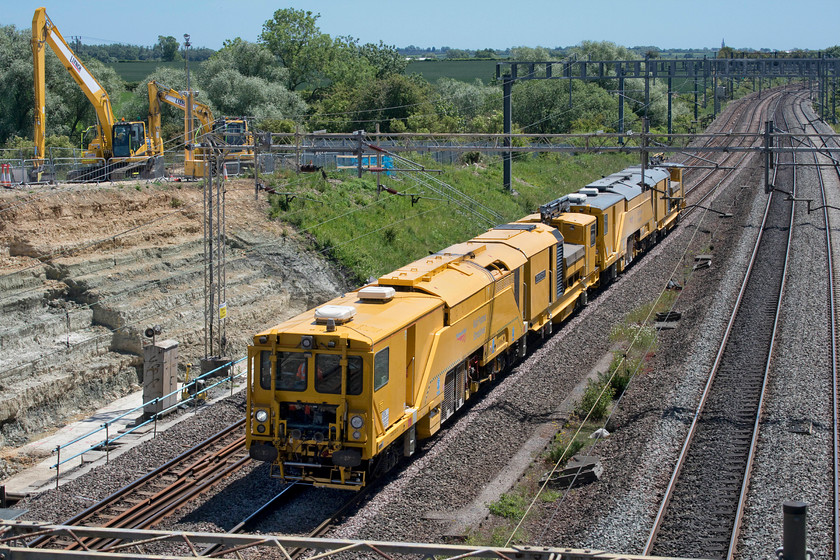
507, 87
620, 103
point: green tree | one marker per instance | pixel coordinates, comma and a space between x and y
469, 100
169, 47
604, 50
295, 39
245, 79
238, 95
390, 100
541, 106
249, 59
528, 54
725, 52
16, 84
385, 59
485, 53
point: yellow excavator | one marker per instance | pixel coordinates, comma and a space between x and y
237, 140
119, 148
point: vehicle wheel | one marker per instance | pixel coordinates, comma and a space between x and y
583, 300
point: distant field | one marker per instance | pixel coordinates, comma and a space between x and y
136, 71
464, 70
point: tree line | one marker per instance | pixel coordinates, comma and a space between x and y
166, 49
296, 76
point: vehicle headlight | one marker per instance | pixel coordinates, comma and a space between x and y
357, 434
261, 416
357, 421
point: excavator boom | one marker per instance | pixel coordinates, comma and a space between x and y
194, 156
44, 32
119, 147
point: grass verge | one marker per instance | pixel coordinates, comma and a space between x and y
371, 233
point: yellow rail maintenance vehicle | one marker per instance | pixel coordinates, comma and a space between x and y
337, 394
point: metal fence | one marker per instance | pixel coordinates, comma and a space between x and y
194, 388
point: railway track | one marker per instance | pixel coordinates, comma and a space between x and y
833, 291
701, 511
742, 122
152, 497
288, 494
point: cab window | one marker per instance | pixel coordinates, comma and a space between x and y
265, 369
593, 235
380, 369
354, 375
291, 371
122, 139
606, 224
328, 373
136, 137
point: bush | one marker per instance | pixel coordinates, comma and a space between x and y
622, 370
390, 235
596, 400
558, 452
509, 506
548, 495
469, 158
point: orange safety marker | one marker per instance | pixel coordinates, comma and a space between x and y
6, 174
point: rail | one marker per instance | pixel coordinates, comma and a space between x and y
719, 535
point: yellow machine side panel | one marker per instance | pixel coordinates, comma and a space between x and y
420, 338
539, 284
481, 328
639, 217
389, 398
579, 229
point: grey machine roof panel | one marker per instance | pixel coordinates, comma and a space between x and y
602, 201
625, 190
626, 182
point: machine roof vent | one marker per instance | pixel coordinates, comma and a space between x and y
338, 313
377, 293
588, 191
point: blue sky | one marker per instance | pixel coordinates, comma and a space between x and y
774, 24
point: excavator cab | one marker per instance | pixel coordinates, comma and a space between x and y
234, 132
129, 139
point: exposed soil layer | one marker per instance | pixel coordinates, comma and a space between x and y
85, 269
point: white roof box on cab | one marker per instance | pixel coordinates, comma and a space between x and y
338, 313
378, 293
576, 198
589, 191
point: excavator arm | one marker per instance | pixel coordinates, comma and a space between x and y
44, 32
159, 92
194, 155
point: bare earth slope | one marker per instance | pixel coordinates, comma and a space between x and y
84, 269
